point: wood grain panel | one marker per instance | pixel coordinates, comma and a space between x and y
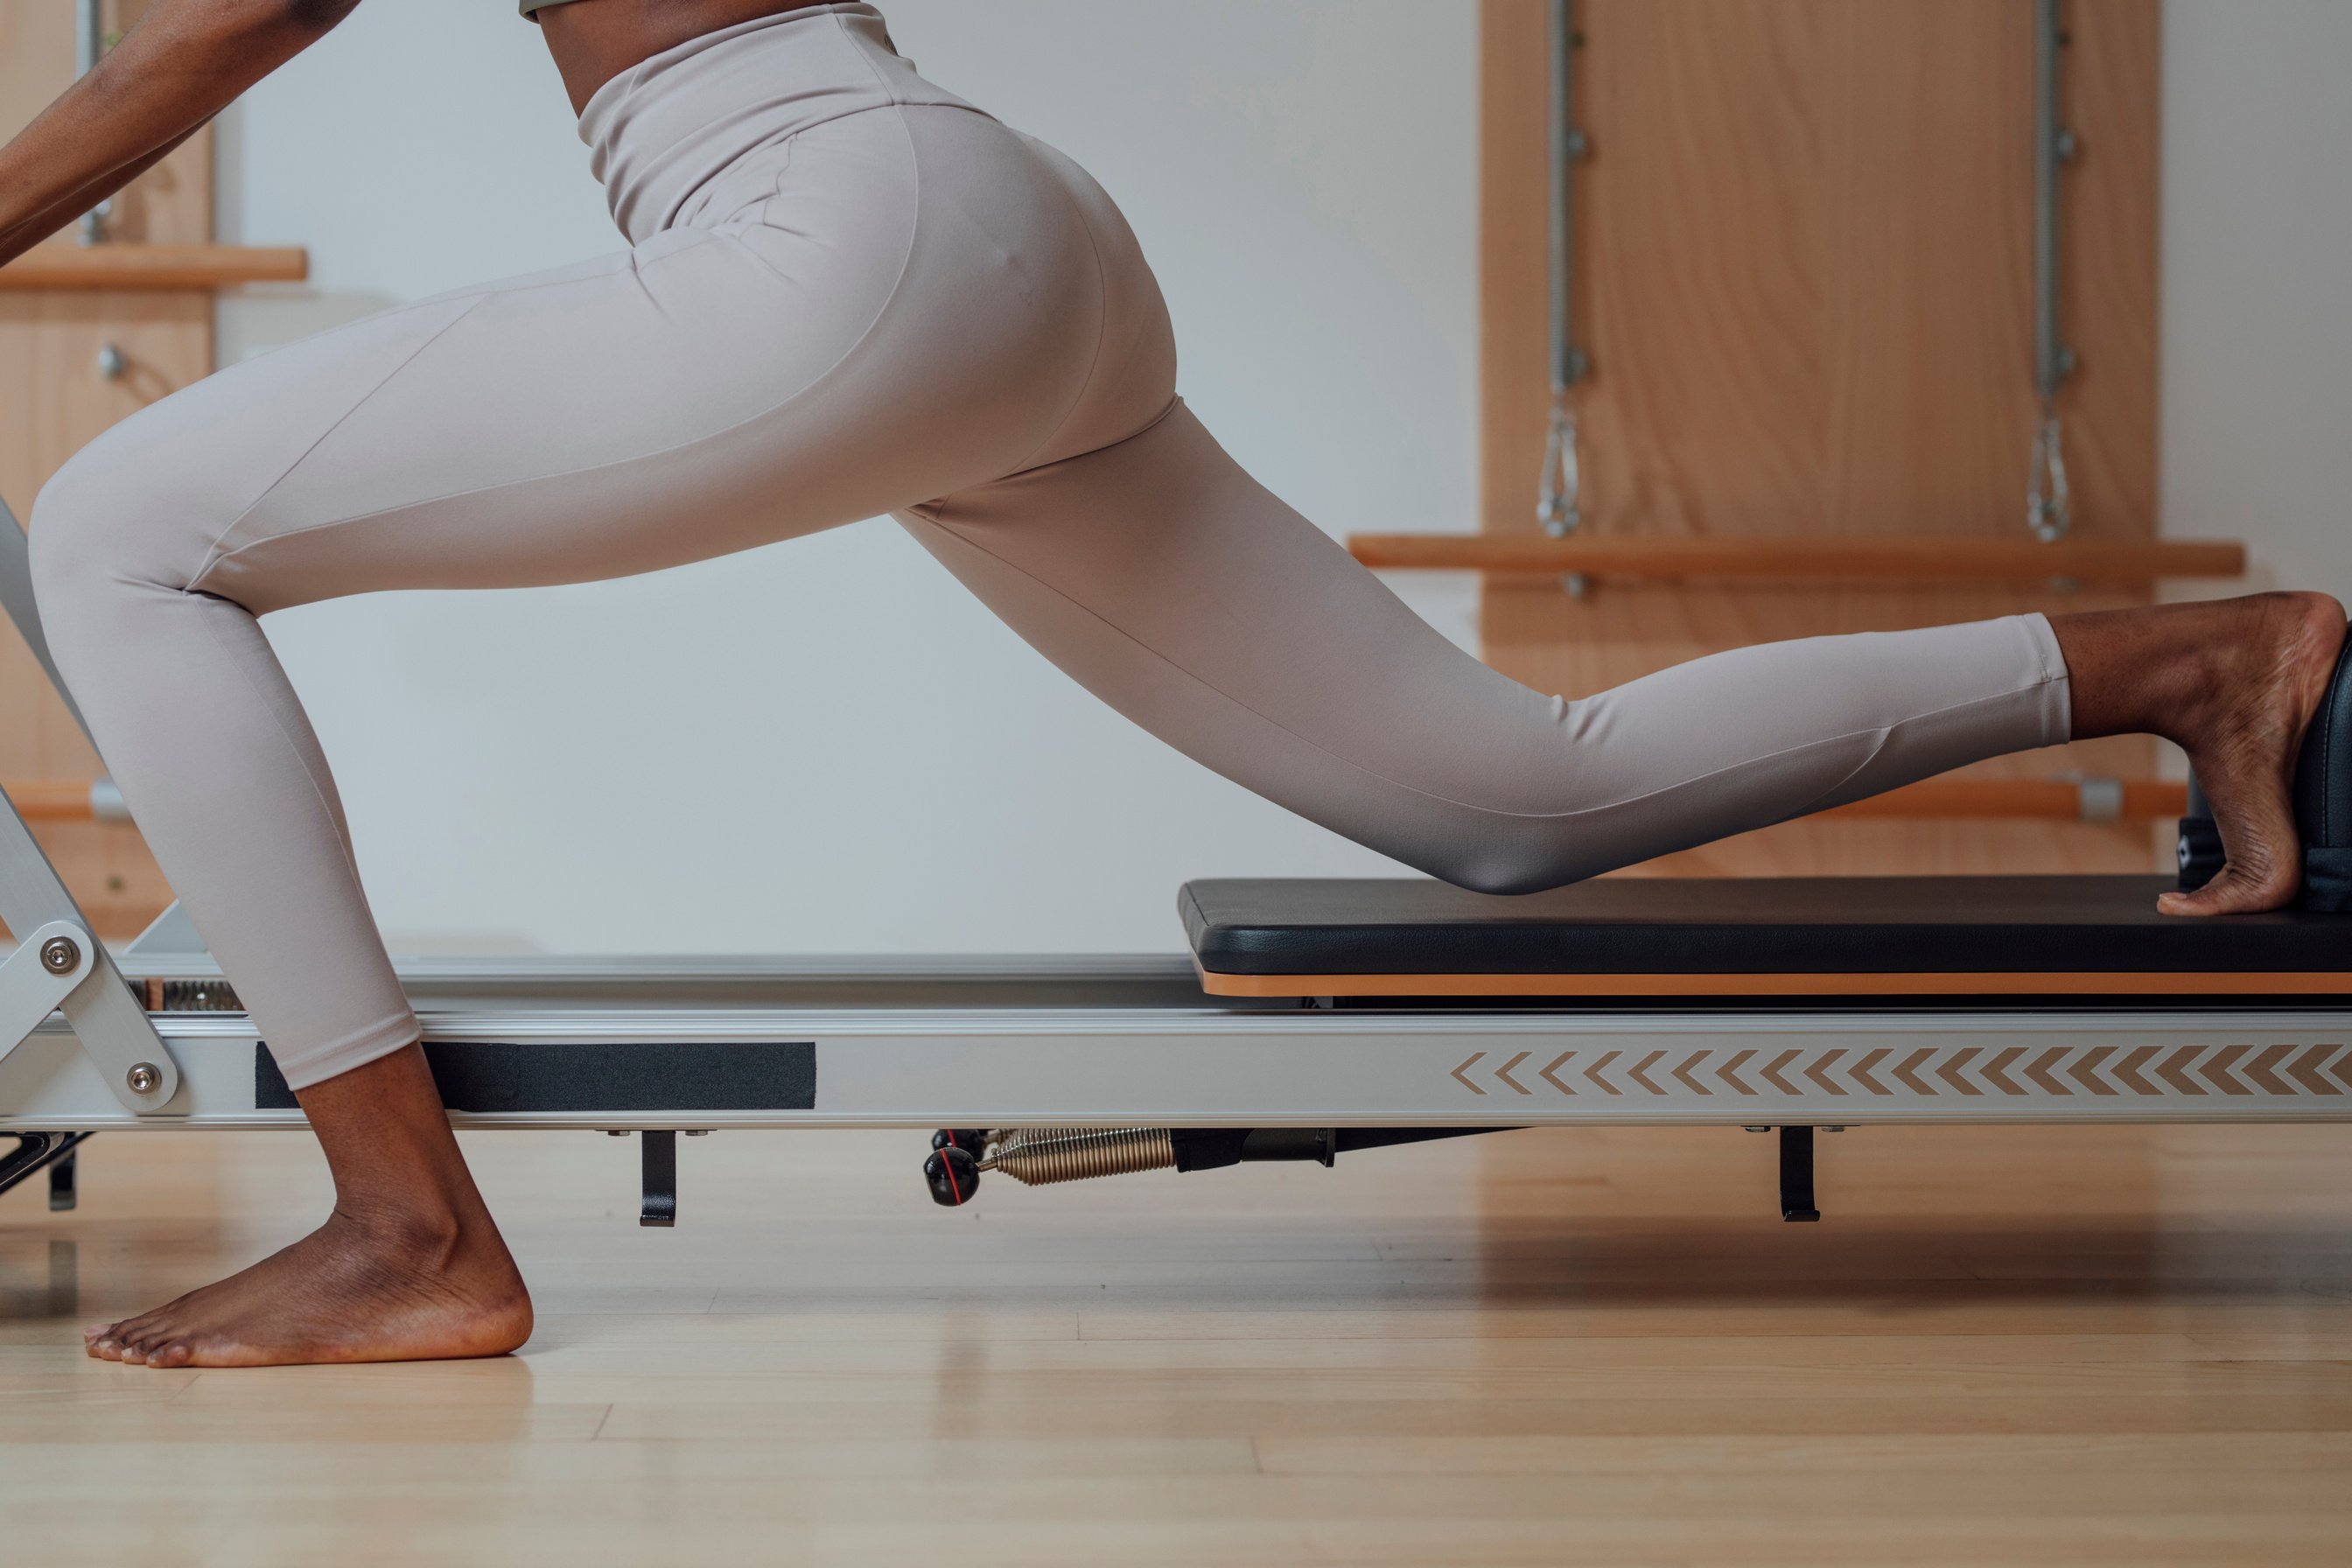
1804, 277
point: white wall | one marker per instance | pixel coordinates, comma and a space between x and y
826, 746
2257, 314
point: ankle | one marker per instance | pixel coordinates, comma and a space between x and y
409, 1224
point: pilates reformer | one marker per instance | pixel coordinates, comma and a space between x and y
1308, 1019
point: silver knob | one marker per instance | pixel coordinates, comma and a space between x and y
143, 1078
59, 955
112, 363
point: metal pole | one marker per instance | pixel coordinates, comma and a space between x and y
2053, 145
1559, 492
89, 42
1566, 144
2049, 507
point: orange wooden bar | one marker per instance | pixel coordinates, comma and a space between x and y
1888, 560
2050, 800
131, 266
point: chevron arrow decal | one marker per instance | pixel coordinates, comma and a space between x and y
2263, 1071
2086, 1071
1594, 1071
1950, 1072
1819, 1071
2039, 1071
2238, 1071
1729, 1072
2304, 1069
2217, 1071
1682, 1075
1996, 1071
1640, 1073
1862, 1070
2174, 1070
1503, 1073
1910, 1071
2127, 1072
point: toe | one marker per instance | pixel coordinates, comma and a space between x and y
171, 1353
2230, 893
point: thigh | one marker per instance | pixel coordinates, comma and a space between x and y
808, 359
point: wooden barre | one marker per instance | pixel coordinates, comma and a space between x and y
2027, 800
65, 800
130, 266
2021, 800
1898, 560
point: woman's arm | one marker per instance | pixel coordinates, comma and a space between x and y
183, 62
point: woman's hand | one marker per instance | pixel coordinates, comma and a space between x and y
183, 62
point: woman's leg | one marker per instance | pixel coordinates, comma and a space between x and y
1168, 582
819, 357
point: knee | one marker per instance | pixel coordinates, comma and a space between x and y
1507, 878
105, 523
1530, 857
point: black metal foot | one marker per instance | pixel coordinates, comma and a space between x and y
659, 1206
63, 1172
38, 1150
1797, 1175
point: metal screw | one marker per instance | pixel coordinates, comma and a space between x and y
59, 955
143, 1078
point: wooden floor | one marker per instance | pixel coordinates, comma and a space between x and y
2014, 1346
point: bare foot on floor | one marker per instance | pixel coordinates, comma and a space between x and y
2259, 694
353, 1290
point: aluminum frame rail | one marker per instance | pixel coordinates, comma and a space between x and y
1004, 1053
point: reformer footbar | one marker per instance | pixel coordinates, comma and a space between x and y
1308, 1019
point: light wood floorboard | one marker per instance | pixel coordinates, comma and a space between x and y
2001, 1346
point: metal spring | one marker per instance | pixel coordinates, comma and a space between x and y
195, 996
1035, 1155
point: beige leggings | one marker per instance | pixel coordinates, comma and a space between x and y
849, 294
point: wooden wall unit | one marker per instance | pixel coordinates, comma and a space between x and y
54, 399
1803, 273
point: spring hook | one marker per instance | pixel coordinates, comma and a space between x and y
1559, 494
2049, 504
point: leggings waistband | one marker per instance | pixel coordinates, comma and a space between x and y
660, 131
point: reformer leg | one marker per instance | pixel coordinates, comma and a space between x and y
64, 1172
38, 1150
1797, 1175
659, 1206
